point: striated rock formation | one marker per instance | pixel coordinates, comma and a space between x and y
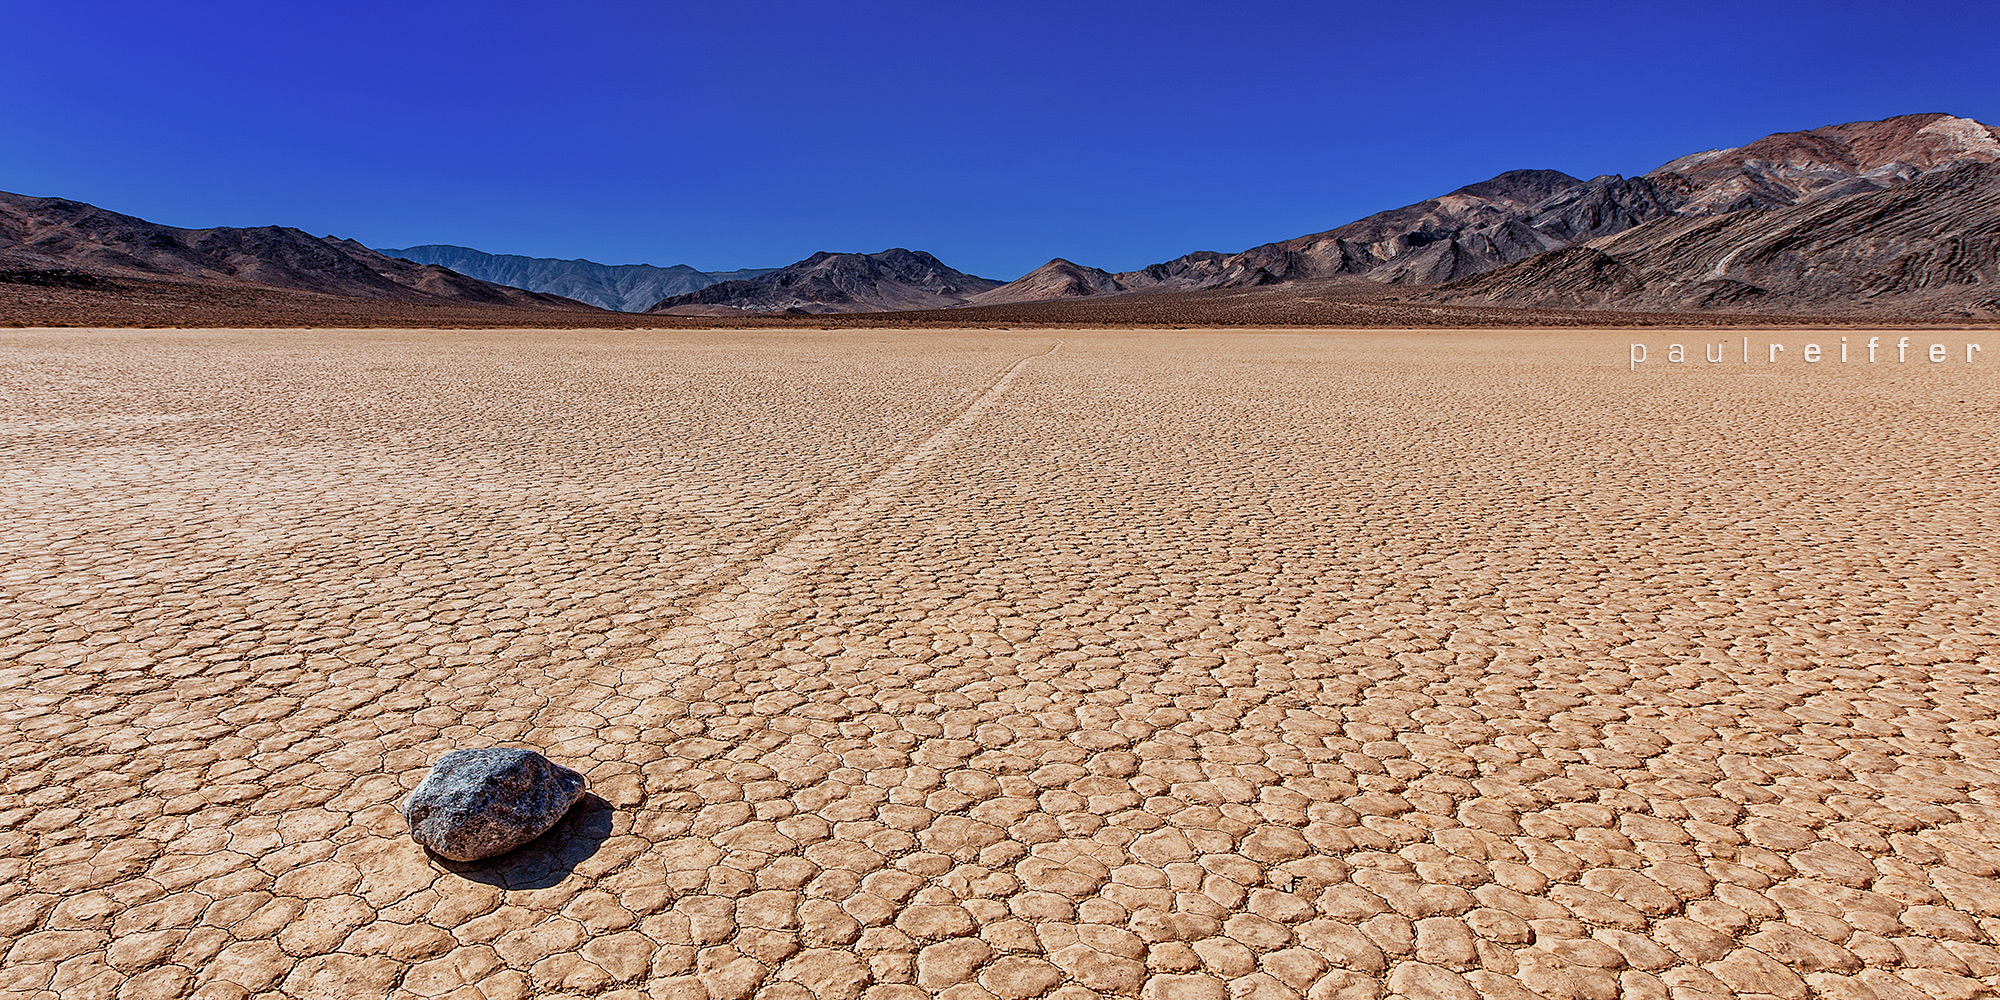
1830, 162
1929, 246
1475, 228
835, 283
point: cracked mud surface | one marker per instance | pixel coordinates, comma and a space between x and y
1170, 665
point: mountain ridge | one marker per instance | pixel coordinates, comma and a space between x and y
1057, 279
1520, 215
1786, 168
1929, 246
620, 287
827, 282
1884, 217
59, 240
1506, 217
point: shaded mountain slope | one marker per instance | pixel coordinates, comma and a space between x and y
55, 236
837, 282
1929, 246
623, 287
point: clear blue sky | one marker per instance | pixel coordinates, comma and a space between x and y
996, 135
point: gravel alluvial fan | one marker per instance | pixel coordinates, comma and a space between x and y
478, 803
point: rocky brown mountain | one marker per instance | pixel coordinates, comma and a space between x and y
1524, 214
1475, 228
1894, 218
1793, 167
1057, 279
1929, 247
60, 243
837, 283
624, 287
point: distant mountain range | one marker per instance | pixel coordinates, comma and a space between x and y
1773, 192
60, 243
622, 287
1895, 214
1899, 217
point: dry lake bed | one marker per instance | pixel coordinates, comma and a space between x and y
1181, 665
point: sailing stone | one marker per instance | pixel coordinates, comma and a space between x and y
478, 803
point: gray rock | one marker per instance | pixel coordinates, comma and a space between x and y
478, 803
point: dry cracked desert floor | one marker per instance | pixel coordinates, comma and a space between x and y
1165, 664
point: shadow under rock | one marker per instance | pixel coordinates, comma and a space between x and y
547, 859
